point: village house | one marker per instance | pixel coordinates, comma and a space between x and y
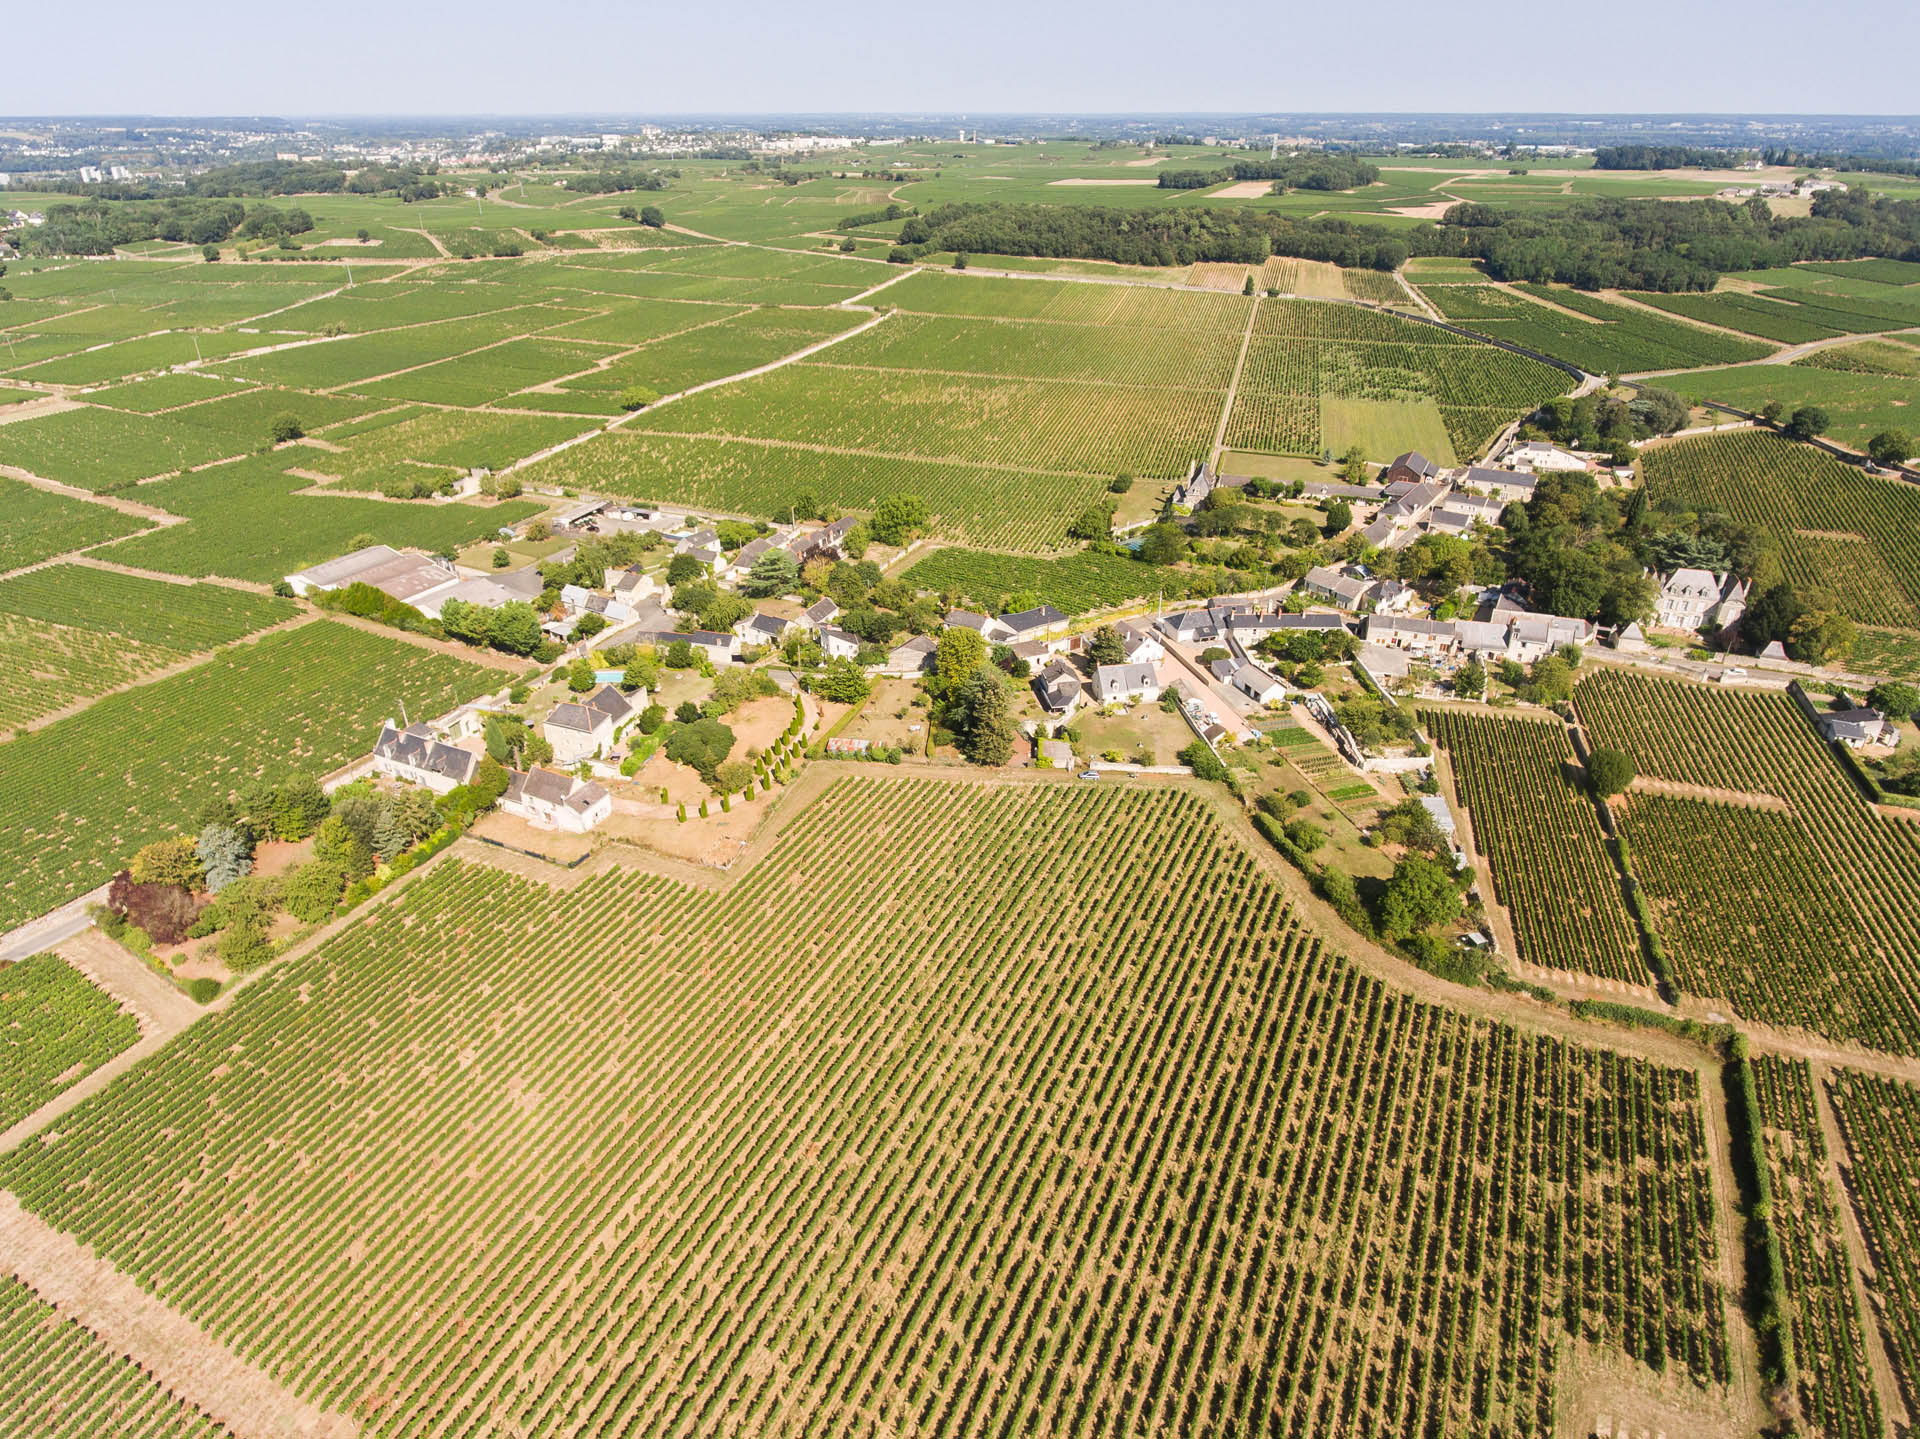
1422, 636
1853, 727
839, 644
1541, 457
1503, 486
577, 602
1691, 599
1034, 624
1409, 504
1120, 684
1189, 627
1199, 483
489, 592
1530, 637
1058, 687
821, 613
986, 626
577, 732
1347, 591
1141, 645
826, 542
719, 646
631, 586
761, 628
1038, 652
1258, 685
554, 801
1630, 638
1410, 468
414, 754
912, 656
1382, 533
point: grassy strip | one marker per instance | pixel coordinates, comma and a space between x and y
1766, 1266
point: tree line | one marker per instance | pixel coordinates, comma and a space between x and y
1290, 172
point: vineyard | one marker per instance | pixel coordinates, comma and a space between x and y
1841, 531
1069, 425
54, 1028
1302, 352
1878, 1117
59, 1382
1075, 583
1043, 1116
154, 612
40, 524
1536, 825
247, 522
79, 798
1834, 1377
1805, 913
976, 504
1625, 340
51, 666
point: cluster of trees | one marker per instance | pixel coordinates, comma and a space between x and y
1608, 420
96, 227
1579, 551
971, 698
1154, 237
1291, 172
196, 885
612, 182
1665, 157
873, 217
654, 218
1651, 245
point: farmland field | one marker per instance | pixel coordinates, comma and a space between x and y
1788, 896
1858, 405
55, 1027
40, 524
1841, 531
1325, 376
108, 450
977, 504
246, 522
80, 799
182, 617
1835, 1380
1538, 830
1072, 583
1613, 339
51, 666
57, 1380
1878, 1117
1175, 1169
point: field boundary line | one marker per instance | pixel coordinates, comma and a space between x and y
1233, 385
1893, 1402
620, 421
852, 302
176, 1353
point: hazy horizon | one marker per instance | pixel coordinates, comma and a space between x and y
365, 60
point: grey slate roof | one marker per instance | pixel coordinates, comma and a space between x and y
416, 748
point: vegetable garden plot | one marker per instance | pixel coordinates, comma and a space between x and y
248, 524
1878, 1118
1543, 844
1833, 1376
1803, 496
82, 794
1005, 508
1074, 1131
183, 617
40, 524
56, 1379
55, 1027
1807, 916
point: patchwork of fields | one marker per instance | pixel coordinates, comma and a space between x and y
1173, 1166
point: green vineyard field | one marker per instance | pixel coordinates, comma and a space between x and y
55, 1027
1038, 1114
83, 793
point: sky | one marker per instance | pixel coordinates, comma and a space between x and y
1122, 56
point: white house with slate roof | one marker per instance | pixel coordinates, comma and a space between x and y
821, 613
839, 644
1058, 687
1690, 599
1119, 683
556, 801
415, 755
1142, 646
579, 731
